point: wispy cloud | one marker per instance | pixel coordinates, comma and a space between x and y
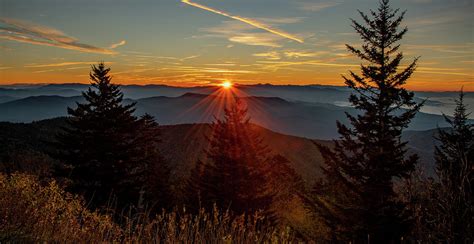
277, 21
59, 64
248, 21
26, 32
290, 54
189, 57
303, 54
255, 40
467, 48
195, 69
240, 33
177, 59
115, 45
277, 65
269, 55
317, 6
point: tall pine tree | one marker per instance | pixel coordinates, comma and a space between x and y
455, 169
357, 196
234, 175
107, 148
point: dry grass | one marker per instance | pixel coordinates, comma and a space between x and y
34, 212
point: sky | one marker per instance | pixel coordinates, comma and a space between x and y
204, 42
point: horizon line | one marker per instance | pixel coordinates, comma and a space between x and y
214, 85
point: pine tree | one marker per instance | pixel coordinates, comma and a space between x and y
234, 175
156, 181
286, 186
107, 148
357, 196
455, 170
284, 181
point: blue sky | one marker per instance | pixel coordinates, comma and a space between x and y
171, 42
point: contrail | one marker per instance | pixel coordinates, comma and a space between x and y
251, 22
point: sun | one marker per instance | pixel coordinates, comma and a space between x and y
226, 84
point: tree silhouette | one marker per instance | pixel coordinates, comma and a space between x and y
107, 148
154, 173
234, 175
455, 169
357, 194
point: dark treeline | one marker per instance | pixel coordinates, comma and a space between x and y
371, 191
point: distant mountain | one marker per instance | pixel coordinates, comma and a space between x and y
423, 144
183, 145
312, 120
435, 102
40, 91
4, 99
37, 108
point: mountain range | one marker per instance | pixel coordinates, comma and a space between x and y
435, 102
183, 145
290, 118
306, 119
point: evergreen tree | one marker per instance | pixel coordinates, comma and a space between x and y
107, 148
286, 186
357, 196
234, 175
284, 182
154, 177
455, 169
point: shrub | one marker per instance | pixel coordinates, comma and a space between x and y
32, 211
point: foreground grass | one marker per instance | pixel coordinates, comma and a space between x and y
31, 211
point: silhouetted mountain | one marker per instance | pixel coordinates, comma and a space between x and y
36, 108
4, 99
183, 145
435, 102
312, 120
40, 91
423, 143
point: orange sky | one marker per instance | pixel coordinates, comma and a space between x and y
205, 42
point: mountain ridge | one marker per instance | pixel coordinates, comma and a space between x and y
312, 120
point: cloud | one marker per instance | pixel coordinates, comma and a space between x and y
317, 6
204, 70
255, 40
240, 33
59, 64
26, 32
289, 20
277, 65
467, 48
189, 57
156, 58
115, 45
224, 64
269, 55
302, 54
251, 22
290, 54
